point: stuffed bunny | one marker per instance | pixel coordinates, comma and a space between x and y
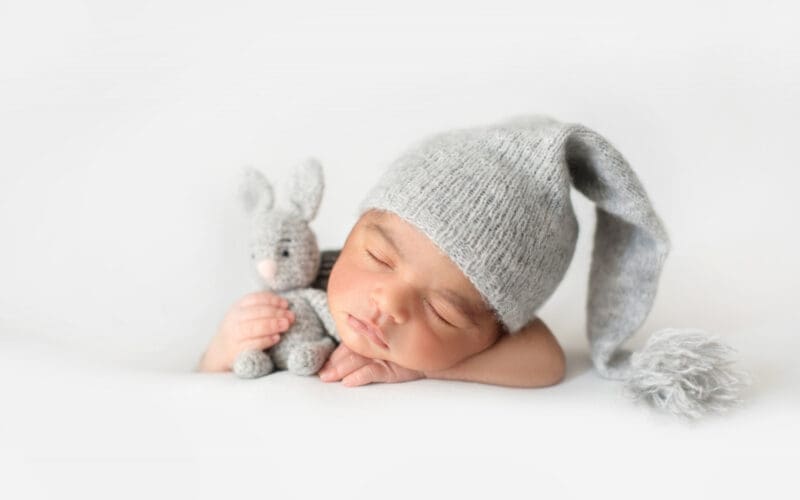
286, 259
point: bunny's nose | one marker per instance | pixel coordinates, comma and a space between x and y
267, 269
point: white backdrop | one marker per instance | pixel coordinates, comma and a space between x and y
123, 126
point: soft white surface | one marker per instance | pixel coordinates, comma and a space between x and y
123, 128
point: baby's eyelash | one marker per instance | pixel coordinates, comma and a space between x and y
379, 261
438, 315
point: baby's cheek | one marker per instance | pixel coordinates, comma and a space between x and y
337, 294
420, 350
343, 280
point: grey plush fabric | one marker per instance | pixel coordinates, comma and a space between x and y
496, 200
286, 260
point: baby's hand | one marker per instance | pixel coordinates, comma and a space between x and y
354, 369
254, 322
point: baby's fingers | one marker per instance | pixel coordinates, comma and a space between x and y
335, 370
262, 327
266, 298
373, 372
256, 311
340, 352
260, 344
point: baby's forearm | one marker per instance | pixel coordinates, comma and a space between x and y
530, 358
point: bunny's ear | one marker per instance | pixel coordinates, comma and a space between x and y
255, 190
305, 188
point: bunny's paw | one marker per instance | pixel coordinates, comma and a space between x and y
307, 359
253, 364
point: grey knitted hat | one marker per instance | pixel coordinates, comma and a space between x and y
496, 200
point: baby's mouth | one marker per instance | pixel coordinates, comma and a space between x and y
368, 330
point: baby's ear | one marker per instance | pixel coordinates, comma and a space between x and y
305, 188
255, 190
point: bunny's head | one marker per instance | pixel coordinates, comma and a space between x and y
283, 248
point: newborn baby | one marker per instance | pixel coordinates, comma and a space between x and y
459, 244
403, 311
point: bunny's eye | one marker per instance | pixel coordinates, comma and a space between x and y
285, 253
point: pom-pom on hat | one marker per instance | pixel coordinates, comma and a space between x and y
496, 200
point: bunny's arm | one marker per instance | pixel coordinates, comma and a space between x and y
319, 302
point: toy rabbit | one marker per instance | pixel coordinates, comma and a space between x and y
286, 260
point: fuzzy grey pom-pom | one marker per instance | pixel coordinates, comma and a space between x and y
686, 372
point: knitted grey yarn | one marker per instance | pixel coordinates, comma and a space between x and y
496, 200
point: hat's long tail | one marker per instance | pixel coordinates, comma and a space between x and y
684, 371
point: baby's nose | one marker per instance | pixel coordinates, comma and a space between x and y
385, 309
267, 269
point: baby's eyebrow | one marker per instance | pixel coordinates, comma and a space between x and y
387, 236
458, 301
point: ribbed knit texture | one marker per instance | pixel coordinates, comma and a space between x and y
496, 200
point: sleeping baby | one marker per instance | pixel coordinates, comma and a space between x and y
459, 244
403, 311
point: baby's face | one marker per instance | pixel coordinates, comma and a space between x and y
391, 276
